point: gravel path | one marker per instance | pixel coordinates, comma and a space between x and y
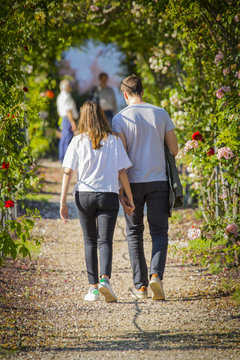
45, 317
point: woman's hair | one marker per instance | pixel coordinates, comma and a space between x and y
93, 122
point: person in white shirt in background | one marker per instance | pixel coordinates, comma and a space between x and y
101, 161
67, 110
104, 95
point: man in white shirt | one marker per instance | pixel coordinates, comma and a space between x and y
104, 95
144, 129
67, 110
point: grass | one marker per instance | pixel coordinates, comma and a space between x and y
231, 287
199, 244
38, 197
236, 294
176, 218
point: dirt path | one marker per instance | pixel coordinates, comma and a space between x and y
43, 315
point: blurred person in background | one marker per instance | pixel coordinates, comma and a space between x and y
67, 111
104, 96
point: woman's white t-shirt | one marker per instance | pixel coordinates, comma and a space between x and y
97, 168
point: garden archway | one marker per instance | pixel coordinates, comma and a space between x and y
187, 53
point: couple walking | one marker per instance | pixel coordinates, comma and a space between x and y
131, 157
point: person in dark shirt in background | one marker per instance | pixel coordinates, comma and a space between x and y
104, 95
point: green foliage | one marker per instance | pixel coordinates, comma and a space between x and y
16, 236
236, 295
187, 54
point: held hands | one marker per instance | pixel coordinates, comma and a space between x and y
64, 213
74, 127
128, 205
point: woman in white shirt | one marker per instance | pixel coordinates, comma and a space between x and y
101, 160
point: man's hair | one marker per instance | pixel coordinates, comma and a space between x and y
102, 74
132, 85
65, 84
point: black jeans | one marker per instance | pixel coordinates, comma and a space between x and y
97, 214
155, 195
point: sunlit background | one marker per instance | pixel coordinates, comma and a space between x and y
86, 63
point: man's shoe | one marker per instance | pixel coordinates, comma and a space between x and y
141, 293
92, 295
156, 285
106, 290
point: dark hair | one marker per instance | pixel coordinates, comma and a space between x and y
132, 85
93, 122
102, 74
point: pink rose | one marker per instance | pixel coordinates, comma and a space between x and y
218, 58
223, 196
190, 144
232, 229
225, 152
194, 233
226, 71
94, 8
222, 91
220, 94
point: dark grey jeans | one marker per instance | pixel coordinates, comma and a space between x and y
155, 195
97, 214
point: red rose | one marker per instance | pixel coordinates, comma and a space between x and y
49, 94
8, 115
13, 116
25, 89
210, 152
9, 204
5, 165
197, 136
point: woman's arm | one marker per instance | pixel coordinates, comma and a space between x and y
123, 138
67, 177
127, 203
171, 142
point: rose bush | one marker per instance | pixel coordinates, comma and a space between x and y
187, 54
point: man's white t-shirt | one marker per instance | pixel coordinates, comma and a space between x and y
65, 103
97, 168
144, 126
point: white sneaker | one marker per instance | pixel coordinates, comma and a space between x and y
106, 290
156, 286
92, 295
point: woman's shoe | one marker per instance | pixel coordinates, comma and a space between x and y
106, 290
92, 295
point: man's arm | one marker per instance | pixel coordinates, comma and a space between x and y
171, 142
71, 119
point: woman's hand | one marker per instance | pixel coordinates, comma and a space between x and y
128, 205
64, 213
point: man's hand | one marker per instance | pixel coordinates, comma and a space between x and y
128, 206
74, 127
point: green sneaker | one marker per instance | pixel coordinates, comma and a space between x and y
106, 290
92, 295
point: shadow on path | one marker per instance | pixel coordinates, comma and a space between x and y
154, 341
